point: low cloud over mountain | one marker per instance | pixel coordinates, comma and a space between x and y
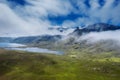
97, 32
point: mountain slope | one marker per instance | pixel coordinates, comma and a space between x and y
37, 39
99, 27
35, 66
5, 39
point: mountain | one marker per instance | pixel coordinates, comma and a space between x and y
5, 39
57, 41
99, 27
43, 41
75, 44
37, 39
84, 47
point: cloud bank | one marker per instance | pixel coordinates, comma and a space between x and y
31, 17
98, 36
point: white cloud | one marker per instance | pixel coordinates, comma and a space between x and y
94, 4
33, 19
97, 36
45, 8
14, 25
96, 13
10, 23
107, 12
30, 19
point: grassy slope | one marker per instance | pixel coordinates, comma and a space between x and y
33, 66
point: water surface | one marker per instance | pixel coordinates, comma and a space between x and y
21, 47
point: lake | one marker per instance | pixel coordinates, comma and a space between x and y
21, 47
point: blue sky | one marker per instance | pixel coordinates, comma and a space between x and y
34, 17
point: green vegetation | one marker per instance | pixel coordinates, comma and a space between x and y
18, 65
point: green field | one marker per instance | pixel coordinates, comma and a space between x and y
16, 65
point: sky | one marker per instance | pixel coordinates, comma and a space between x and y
35, 17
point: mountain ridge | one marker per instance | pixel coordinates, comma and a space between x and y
99, 27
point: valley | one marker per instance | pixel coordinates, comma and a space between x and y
56, 57
59, 40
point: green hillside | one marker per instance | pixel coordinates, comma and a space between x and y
17, 65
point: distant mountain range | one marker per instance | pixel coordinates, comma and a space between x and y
57, 42
6, 39
37, 39
99, 27
31, 39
